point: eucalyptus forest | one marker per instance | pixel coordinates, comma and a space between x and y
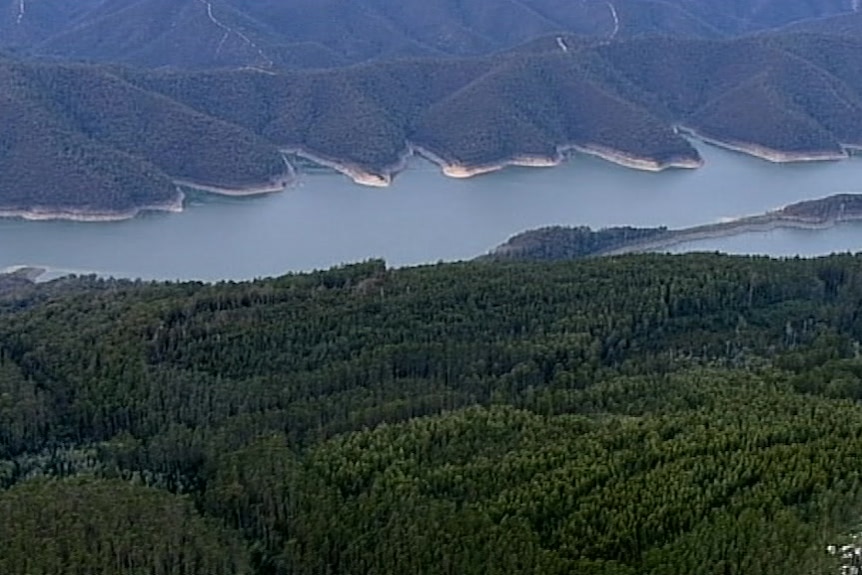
644, 414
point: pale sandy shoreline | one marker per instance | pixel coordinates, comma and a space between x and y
635, 162
817, 215
77, 215
353, 171
456, 170
769, 154
362, 176
748, 225
274, 185
174, 206
263, 189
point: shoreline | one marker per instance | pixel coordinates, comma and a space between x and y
635, 162
88, 216
579, 242
454, 170
766, 153
450, 169
748, 225
235, 192
274, 185
462, 171
175, 206
353, 171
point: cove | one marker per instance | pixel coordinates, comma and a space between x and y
326, 220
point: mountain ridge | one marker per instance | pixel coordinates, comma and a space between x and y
327, 33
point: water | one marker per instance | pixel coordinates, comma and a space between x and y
424, 217
784, 242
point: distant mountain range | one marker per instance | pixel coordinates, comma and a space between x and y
103, 140
324, 33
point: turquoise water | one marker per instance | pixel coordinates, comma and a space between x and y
424, 217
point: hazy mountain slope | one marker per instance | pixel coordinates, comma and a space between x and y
31, 21
793, 94
651, 17
319, 33
44, 167
80, 137
801, 92
777, 123
160, 33
386, 28
844, 23
791, 97
469, 112
361, 115
708, 18
533, 106
147, 125
834, 56
742, 16
45, 163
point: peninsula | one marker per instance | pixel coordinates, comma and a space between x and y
565, 243
17, 278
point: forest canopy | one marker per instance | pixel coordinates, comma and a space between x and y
639, 414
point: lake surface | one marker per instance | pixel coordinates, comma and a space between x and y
424, 217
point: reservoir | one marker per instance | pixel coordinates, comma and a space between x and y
325, 219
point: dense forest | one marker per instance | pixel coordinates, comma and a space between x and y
642, 414
570, 243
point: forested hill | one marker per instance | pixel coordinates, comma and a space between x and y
96, 138
322, 33
652, 415
80, 140
845, 24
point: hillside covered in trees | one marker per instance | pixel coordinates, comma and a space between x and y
643, 414
79, 139
96, 138
327, 33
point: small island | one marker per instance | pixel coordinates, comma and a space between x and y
565, 243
